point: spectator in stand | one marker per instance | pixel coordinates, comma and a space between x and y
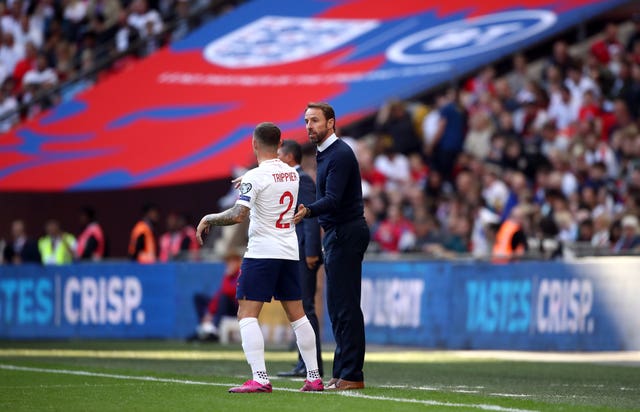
11, 52
179, 242
483, 232
21, 248
578, 83
623, 120
27, 63
629, 240
395, 121
431, 120
482, 83
29, 30
222, 303
529, 117
109, 10
426, 233
608, 46
513, 158
511, 240
395, 233
586, 231
145, 20
519, 75
183, 21
478, 139
504, 95
37, 81
449, 139
635, 34
453, 243
600, 238
394, 167
142, 243
560, 58
56, 247
495, 192
561, 110
91, 242
552, 140
74, 18
8, 107
126, 35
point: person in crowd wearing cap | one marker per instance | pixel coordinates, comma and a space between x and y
630, 239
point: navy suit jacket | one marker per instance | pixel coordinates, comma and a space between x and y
308, 230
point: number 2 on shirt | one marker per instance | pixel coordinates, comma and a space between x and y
285, 195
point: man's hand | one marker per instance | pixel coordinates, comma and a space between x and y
203, 227
300, 214
237, 182
312, 261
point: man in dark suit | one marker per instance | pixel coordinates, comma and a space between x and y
22, 249
308, 232
340, 211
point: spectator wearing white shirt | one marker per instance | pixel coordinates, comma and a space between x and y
42, 74
142, 18
8, 105
395, 167
561, 108
495, 192
29, 30
10, 52
578, 84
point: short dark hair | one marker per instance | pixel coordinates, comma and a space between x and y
268, 134
326, 108
148, 207
293, 147
89, 212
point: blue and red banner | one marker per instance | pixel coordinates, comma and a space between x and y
186, 113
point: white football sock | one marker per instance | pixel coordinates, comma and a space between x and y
253, 346
306, 340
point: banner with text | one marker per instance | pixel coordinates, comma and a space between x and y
587, 305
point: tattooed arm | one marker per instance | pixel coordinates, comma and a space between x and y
236, 214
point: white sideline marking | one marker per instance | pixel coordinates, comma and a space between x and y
350, 394
436, 403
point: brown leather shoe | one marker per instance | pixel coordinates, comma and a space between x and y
345, 385
331, 384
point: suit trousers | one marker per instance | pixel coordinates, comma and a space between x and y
344, 247
308, 282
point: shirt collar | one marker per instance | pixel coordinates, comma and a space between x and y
324, 145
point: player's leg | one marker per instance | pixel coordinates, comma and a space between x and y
309, 278
306, 340
255, 286
289, 294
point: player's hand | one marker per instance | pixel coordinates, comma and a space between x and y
237, 182
312, 261
300, 214
203, 228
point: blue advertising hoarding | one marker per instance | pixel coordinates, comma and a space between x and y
103, 300
587, 305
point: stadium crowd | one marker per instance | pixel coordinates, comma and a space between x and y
529, 162
52, 50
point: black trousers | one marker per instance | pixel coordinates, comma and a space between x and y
344, 247
308, 282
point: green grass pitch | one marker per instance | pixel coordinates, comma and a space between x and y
175, 376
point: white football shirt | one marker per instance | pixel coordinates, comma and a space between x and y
271, 192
